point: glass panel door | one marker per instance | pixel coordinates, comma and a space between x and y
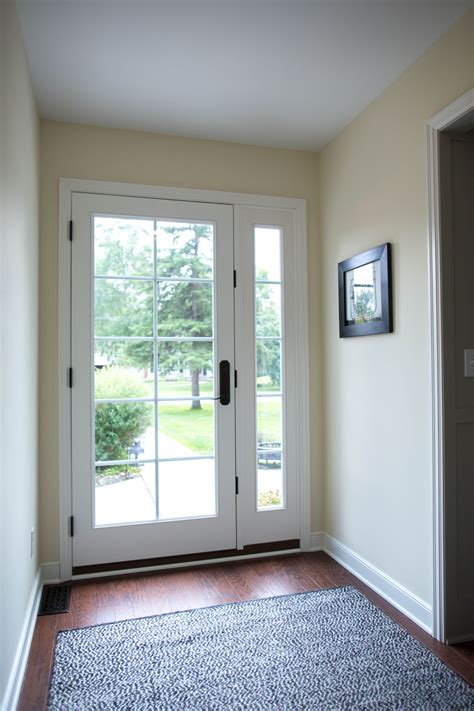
152, 308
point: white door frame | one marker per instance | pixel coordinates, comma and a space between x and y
298, 209
439, 122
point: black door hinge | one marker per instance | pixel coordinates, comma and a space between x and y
237, 485
70, 230
235, 278
235, 378
69, 378
71, 526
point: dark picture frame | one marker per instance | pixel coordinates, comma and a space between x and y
365, 293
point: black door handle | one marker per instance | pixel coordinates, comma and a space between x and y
224, 382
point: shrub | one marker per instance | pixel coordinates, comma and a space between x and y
117, 425
269, 498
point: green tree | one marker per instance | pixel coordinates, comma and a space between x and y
267, 321
124, 307
185, 307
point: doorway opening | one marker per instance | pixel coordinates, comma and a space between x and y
450, 151
183, 377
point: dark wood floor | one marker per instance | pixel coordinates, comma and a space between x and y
112, 599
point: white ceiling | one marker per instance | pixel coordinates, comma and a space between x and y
282, 73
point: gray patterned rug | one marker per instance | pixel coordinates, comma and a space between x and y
330, 649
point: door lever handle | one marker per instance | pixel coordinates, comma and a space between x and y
224, 382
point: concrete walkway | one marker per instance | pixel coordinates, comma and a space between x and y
186, 488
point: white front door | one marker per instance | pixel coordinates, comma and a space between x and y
153, 416
186, 414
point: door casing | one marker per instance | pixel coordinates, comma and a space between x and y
297, 209
456, 110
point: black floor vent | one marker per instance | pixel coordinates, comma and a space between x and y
55, 599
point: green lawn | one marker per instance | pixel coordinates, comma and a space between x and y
191, 428
269, 420
171, 388
180, 388
195, 428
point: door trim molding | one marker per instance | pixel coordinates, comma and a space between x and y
64, 393
68, 186
437, 123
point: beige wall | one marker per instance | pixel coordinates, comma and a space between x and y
19, 334
75, 151
373, 189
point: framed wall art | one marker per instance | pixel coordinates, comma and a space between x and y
365, 293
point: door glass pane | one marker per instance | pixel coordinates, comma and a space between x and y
184, 309
187, 489
184, 250
184, 430
123, 369
269, 452
185, 369
153, 297
267, 253
268, 365
269, 422
125, 494
123, 246
123, 307
267, 309
124, 431
268, 356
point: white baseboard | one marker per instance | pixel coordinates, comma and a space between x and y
50, 572
317, 541
47, 573
396, 594
12, 692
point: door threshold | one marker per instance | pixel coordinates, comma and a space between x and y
259, 550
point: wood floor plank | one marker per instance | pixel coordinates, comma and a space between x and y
124, 593
143, 607
156, 589
296, 577
103, 591
34, 693
210, 593
84, 595
175, 593
310, 568
65, 621
84, 605
248, 580
104, 615
190, 589
113, 599
215, 575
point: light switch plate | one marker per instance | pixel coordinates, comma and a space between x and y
469, 363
